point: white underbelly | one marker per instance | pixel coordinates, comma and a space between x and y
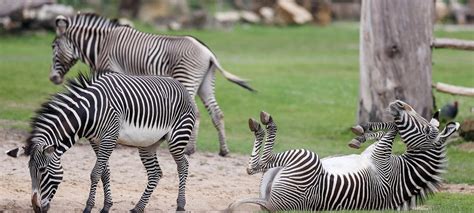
140, 137
348, 163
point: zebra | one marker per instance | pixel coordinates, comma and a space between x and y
105, 44
109, 108
374, 180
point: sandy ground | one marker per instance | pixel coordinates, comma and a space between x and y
213, 182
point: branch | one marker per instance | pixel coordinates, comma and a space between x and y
454, 90
453, 43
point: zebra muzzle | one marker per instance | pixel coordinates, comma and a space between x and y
56, 79
35, 204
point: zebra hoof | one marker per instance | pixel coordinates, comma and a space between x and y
265, 118
358, 130
355, 144
180, 209
87, 209
223, 153
253, 125
189, 151
135, 211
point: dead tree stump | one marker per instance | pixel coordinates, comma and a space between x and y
395, 57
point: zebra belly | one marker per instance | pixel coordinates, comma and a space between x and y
349, 163
131, 135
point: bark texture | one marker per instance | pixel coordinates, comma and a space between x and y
395, 57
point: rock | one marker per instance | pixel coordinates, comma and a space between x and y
41, 16
153, 11
289, 12
227, 17
268, 15
466, 130
323, 14
441, 10
249, 17
346, 10
9, 6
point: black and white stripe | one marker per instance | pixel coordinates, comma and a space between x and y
111, 108
104, 44
374, 180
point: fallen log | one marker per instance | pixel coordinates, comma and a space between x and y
454, 90
453, 43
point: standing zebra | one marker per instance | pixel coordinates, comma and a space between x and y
104, 44
110, 108
375, 179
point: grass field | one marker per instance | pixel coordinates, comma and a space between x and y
306, 77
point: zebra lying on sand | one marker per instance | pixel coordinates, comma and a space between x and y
375, 179
109, 108
105, 44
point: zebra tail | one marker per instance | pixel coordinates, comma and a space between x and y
231, 77
262, 203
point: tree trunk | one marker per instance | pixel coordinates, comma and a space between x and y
395, 57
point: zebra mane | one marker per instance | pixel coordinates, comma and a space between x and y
50, 107
77, 20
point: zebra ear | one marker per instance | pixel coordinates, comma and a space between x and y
450, 128
435, 120
16, 152
61, 25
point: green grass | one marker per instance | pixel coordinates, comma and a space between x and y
307, 78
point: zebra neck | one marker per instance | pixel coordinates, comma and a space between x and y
420, 172
88, 42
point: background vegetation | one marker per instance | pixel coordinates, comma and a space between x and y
307, 78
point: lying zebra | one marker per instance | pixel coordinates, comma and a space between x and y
110, 108
375, 179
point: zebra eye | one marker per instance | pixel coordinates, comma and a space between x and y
42, 169
426, 129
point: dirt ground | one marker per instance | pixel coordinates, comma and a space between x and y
213, 183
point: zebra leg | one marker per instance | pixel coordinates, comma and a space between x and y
179, 137
271, 127
254, 161
105, 178
373, 126
191, 147
154, 173
383, 149
206, 93
357, 141
106, 147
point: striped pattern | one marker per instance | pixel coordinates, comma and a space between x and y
374, 180
106, 45
101, 108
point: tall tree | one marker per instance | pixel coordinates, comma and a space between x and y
395, 56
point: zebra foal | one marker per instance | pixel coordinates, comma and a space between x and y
374, 180
105, 44
109, 108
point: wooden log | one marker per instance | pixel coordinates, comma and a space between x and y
454, 90
289, 12
395, 57
453, 44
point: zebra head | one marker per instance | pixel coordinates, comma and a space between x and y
415, 131
45, 170
65, 53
